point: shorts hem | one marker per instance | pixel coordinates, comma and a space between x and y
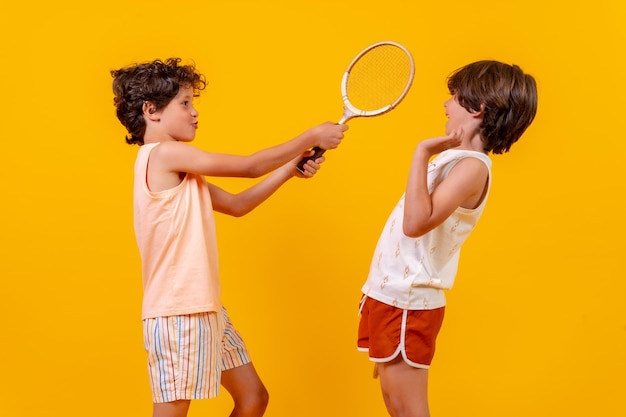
184, 398
404, 358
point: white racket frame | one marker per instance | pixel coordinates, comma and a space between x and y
349, 110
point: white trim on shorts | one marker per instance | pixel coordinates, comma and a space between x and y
401, 347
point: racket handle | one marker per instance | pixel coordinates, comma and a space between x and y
318, 152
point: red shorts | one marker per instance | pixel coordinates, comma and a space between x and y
386, 331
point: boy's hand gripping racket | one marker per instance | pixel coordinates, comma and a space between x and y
375, 82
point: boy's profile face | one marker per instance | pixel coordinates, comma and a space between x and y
179, 119
459, 117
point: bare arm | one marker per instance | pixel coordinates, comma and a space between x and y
242, 203
180, 157
423, 211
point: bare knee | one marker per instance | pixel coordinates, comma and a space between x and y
247, 390
399, 408
252, 404
260, 400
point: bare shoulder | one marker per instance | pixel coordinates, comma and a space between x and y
184, 157
172, 147
162, 171
471, 164
470, 175
169, 153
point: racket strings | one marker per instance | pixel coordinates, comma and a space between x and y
378, 78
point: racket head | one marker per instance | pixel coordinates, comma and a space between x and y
376, 80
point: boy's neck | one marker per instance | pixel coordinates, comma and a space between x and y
473, 143
152, 138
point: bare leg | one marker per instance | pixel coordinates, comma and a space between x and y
405, 389
249, 394
172, 409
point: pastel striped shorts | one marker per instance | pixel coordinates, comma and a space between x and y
187, 354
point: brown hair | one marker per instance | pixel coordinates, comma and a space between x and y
507, 96
157, 82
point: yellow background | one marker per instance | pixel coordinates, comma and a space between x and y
536, 325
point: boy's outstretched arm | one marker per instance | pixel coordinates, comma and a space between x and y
180, 157
244, 202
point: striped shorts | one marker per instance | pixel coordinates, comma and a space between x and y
187, 354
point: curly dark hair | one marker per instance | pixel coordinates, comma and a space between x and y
157, 82
507, 96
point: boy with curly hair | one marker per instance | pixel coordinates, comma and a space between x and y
191, 343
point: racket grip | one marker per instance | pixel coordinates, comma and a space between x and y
318, 152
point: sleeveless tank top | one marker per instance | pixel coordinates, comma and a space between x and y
175, 233
411, 273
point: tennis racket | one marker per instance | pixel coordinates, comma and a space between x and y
375, 82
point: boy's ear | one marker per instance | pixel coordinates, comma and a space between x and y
479, 113
149, 110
